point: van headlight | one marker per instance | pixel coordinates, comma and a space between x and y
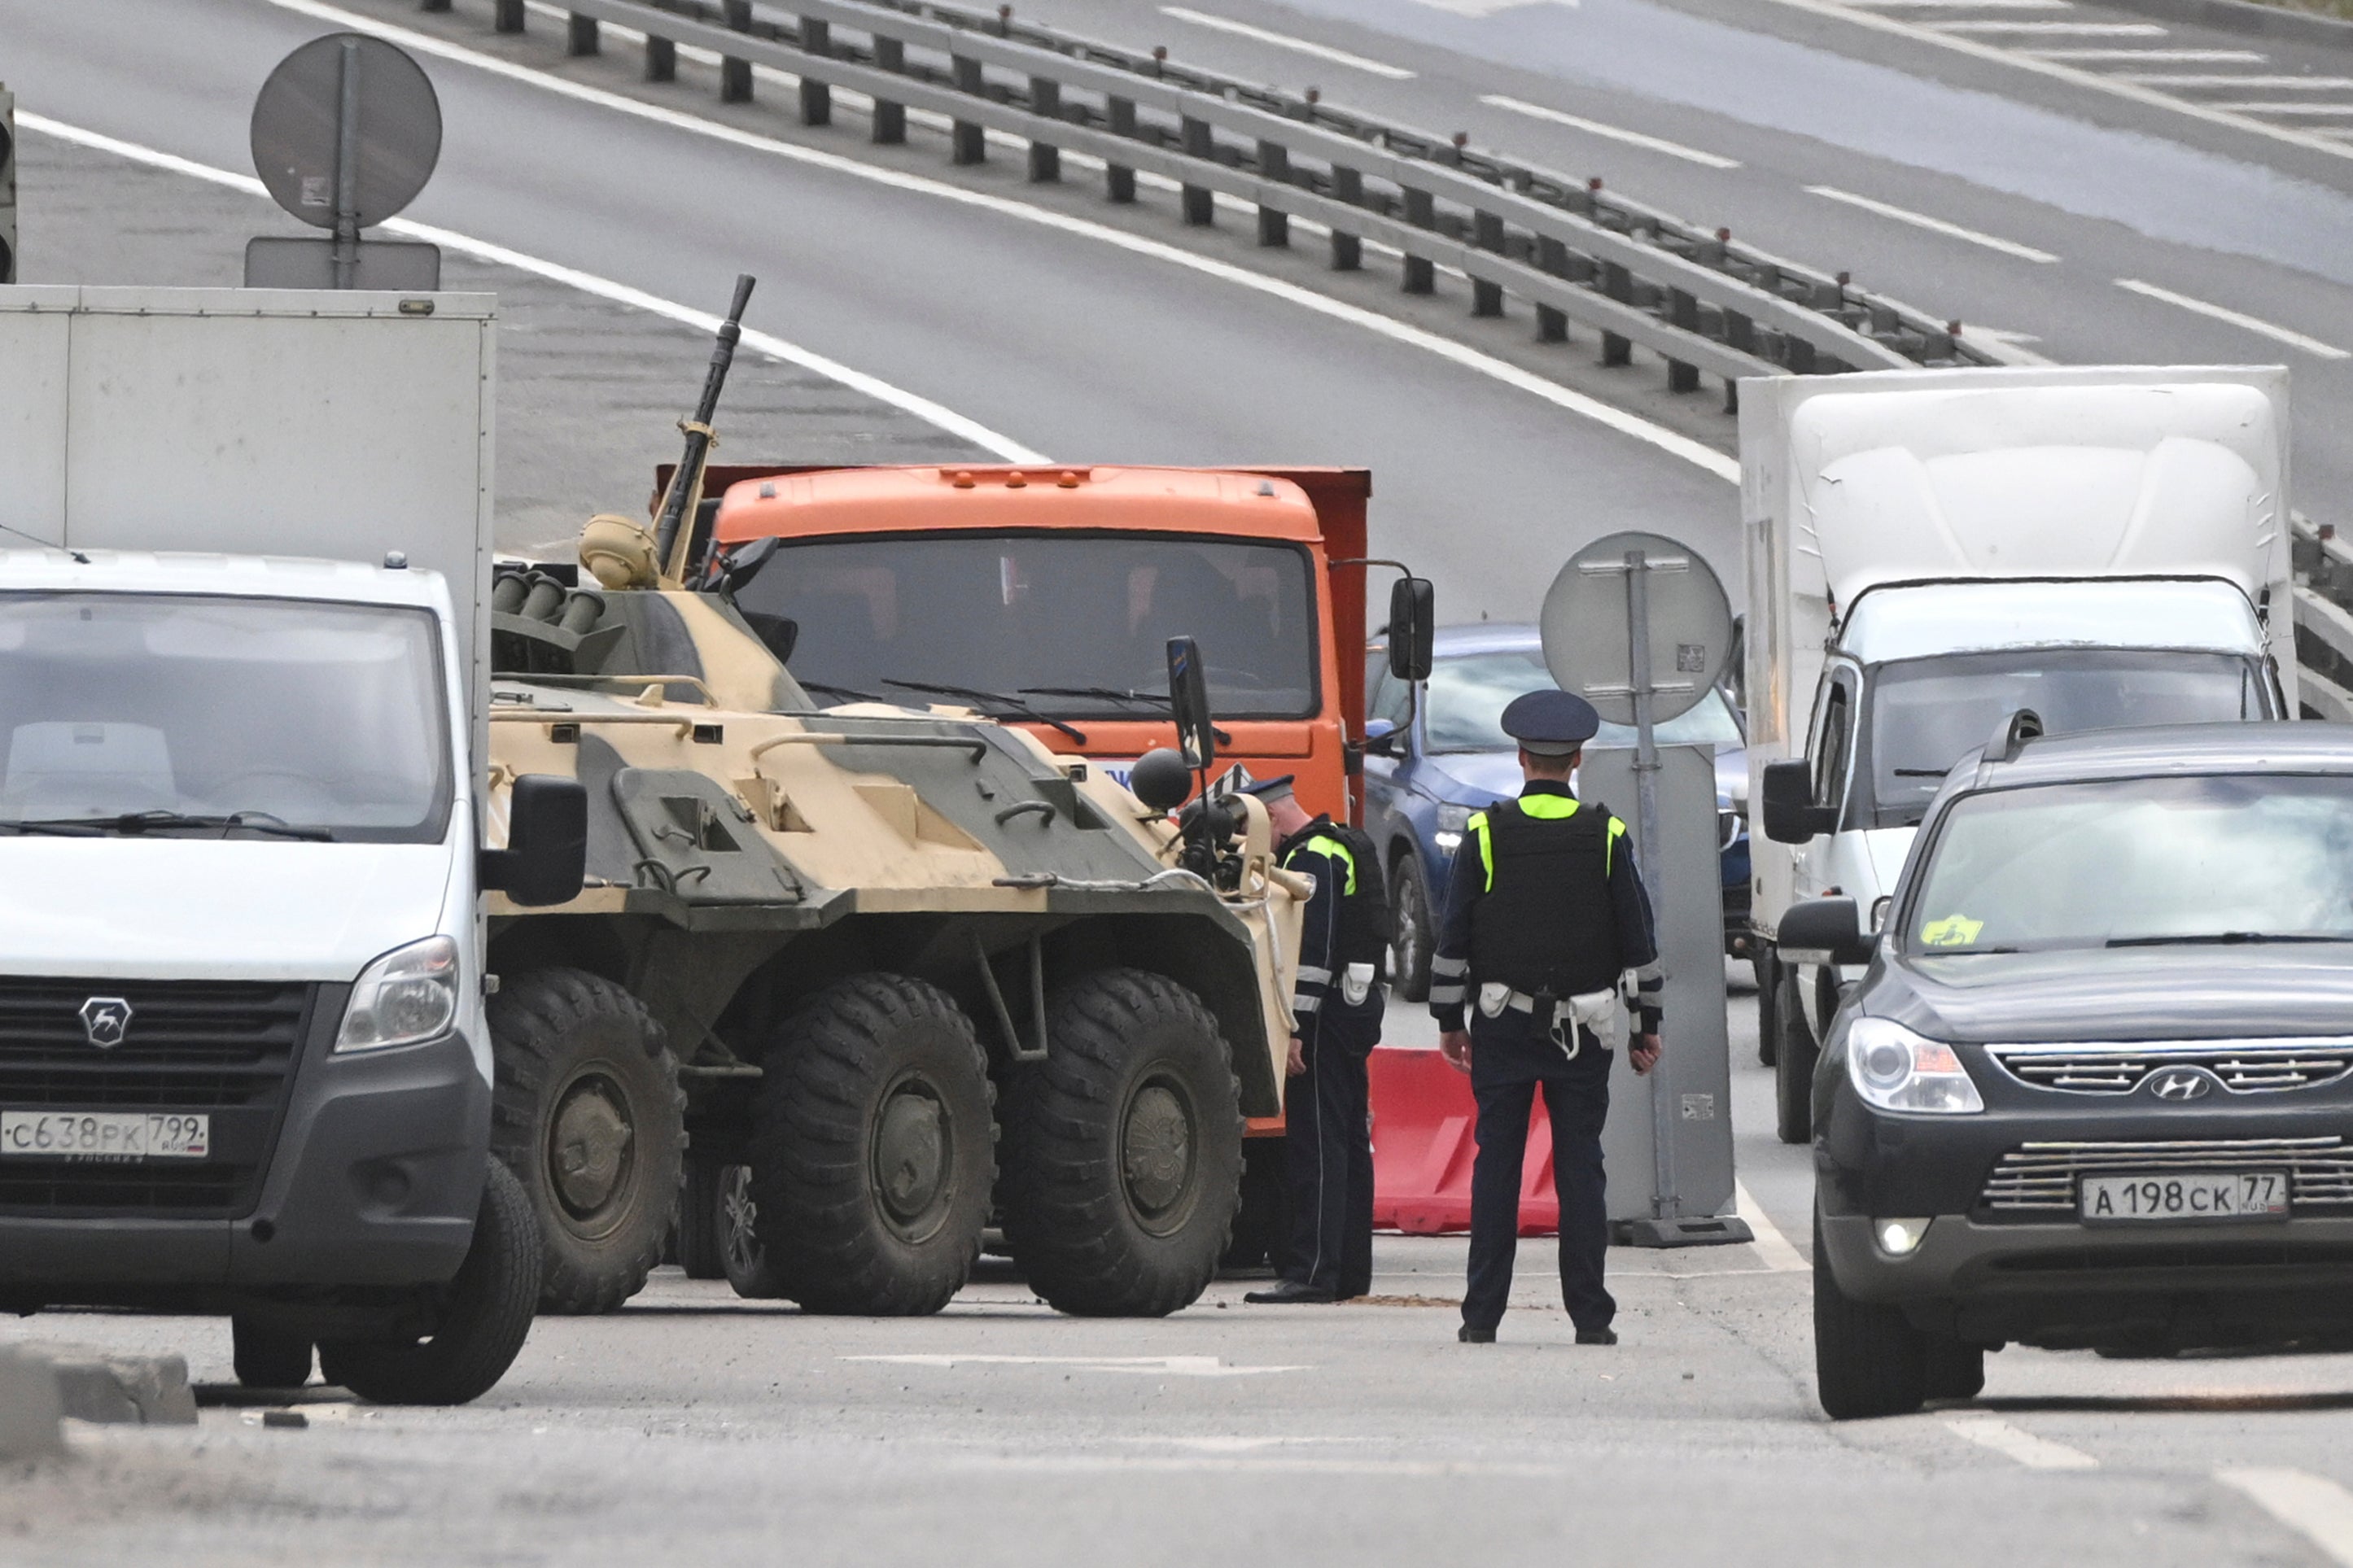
408, 994
1895, 1069
1453, 821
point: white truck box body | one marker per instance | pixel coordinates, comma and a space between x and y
2049, 505
227, 442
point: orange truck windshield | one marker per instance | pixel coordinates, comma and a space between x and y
1073, 625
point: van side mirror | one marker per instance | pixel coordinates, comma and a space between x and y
1790, 815
1189, 703
1822, 931
546, 858
1413, 628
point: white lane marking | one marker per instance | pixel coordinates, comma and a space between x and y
1674, 444
2040, 63
1479, 10
1934, 225
2252, 323
2311, 110
1230, 1445
1613, 133
1137, 1365
1272, 1465
2147, 57
2017, 1443
924, 408
2251, 83
1779, 1257
2317, 1508
1967, 5
1285, 41
2055, 30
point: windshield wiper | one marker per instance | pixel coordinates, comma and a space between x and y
1113, 693
2223, 938
63, 827
1013, 705
134, 822
1920, 773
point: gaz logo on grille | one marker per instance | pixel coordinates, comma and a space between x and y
106, 1019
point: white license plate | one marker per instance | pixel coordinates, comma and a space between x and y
2208, 1195
105, 1135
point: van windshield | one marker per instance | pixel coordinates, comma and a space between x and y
1072, 624
2247, 858
1922, 715
211, 716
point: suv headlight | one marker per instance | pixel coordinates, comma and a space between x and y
1895, 1069
408, 994
1453, 821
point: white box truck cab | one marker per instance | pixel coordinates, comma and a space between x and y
1929, 551
243, 1064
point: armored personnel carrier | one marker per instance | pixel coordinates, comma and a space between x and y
912, 971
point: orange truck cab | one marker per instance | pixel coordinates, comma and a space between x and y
1045, 597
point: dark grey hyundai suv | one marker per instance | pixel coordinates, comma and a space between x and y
2096, 1088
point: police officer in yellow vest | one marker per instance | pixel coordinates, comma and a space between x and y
1336, 1007
1544, 915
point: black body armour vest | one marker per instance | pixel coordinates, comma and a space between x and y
1365, 927
1546, 925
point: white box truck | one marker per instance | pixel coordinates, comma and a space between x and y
1929, 551
243, 1064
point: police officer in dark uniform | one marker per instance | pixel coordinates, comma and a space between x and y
1337, 1007
1544, 915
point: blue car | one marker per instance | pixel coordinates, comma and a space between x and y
1429, 764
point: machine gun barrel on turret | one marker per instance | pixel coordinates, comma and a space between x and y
686, 486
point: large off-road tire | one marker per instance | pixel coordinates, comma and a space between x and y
1124, 1149
269, 1357
698, 1220
872, 1149
741, 1256
1415, 921
485, 1315
588, 1112
1794, 1056
1768, 1011
1868, 1361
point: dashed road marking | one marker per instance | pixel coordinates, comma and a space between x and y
1285, 41
1137, 1365
2017, 1443
2054, 30
1934, 225
2315, 1507
1611, 132
2247, 83
1272, 1465
2146, 57
937, 414
2270, 329
1772, 1247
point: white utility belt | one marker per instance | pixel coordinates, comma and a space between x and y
1600, 1013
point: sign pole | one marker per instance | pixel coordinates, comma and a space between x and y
1664, 1202
347, 164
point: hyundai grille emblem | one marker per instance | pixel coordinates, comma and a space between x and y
105, 1019
2182, 1083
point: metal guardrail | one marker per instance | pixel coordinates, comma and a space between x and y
1573, 251
2324, 618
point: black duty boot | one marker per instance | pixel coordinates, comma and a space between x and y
1290, 1293
1470, 1336
1596, 1336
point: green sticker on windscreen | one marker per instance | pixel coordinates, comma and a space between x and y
1952, 931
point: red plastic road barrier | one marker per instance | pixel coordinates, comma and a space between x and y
1422, 1147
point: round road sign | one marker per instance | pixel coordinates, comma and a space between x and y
298, 119
1587, 641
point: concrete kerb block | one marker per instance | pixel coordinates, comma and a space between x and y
91, 1384
31, 1412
